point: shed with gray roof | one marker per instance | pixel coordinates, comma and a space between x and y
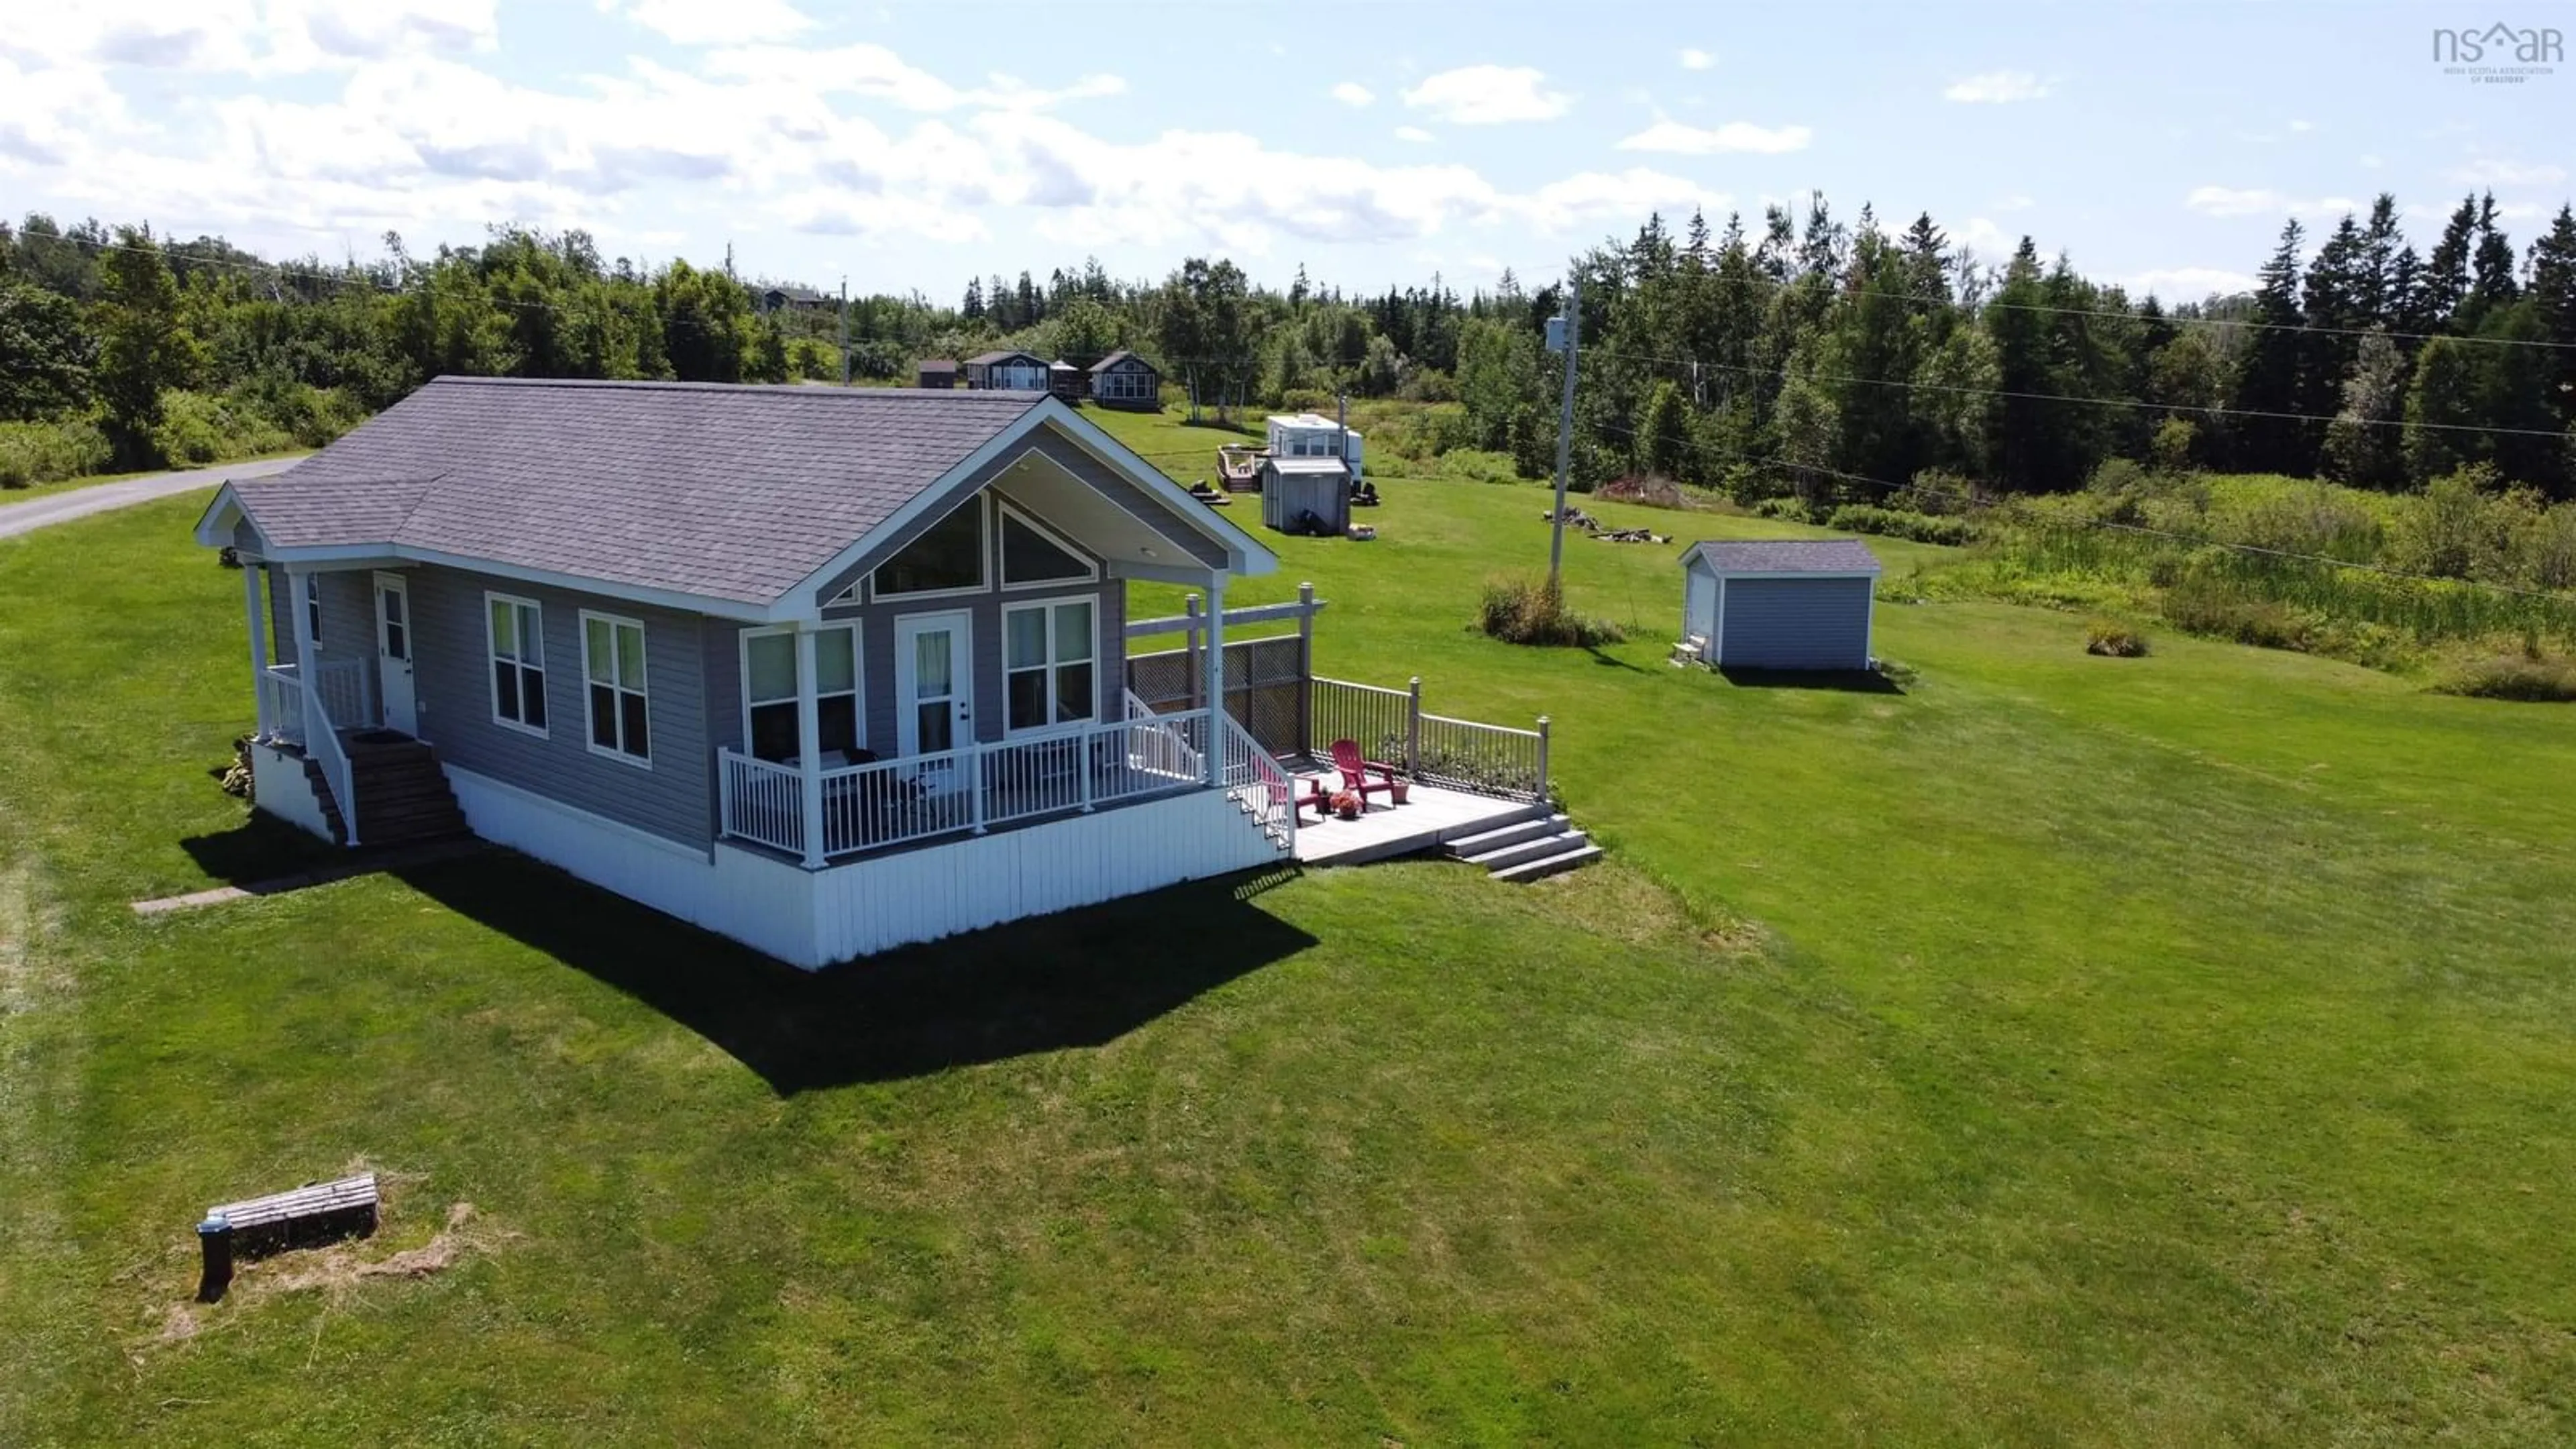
1780, 603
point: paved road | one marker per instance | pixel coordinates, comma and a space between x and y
17, 518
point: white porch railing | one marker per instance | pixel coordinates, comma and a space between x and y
340, 698
1389, 726
1260, 785
885, 803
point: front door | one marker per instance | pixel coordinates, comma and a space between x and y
934, 685
393, 653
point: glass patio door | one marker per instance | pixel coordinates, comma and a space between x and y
934, 682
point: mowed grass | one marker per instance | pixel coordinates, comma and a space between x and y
2061, 1050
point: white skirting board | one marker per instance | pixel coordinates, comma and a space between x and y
815, 918
280, 787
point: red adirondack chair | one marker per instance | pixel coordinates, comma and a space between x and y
1355, 774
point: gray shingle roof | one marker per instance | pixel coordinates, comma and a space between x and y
1121, 355
1786, 556
734, 492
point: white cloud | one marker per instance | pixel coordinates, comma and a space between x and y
278, 36
1352, 93
2188, 284
2303, 125
1677, 139
715, 22
1989, 241
2233, 201
1695, 59
1606, 195
1997, 87
2497, 171
1415, 134
876, 73
1484, 95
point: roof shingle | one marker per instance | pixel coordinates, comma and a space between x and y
1786, 556
733, 492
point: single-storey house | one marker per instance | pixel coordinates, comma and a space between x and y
1007, 371
936, 372
823, 670
1312, 435
776, 298
1124, 380
1780, 603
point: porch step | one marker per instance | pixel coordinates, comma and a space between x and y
1537, 826
321, 788
1526, 850
1550, 865
403, 797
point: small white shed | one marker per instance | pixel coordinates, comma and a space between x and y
1306, 495
1781, 603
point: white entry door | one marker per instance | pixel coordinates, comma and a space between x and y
393, 653
934, 684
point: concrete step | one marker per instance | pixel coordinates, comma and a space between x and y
1468, 847
1549, 865
1536, 848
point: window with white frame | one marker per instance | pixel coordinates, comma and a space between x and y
947, 558
518, 639
612, 664
769, 693
1033, 554
1047, 663
313, 606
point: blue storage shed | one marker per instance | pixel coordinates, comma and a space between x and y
1780, 603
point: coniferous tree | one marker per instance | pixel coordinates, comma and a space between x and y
2446, 271
2269, 375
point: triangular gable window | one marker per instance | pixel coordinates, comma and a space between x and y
949, 556
1030, 556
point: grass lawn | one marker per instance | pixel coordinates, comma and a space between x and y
2061, 1050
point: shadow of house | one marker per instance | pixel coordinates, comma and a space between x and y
1852, 681
1081, 978
260, 850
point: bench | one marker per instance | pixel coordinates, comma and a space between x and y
319, 1212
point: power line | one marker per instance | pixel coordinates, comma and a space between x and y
1784, 371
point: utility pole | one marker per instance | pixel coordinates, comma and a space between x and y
845, 331
1568, 329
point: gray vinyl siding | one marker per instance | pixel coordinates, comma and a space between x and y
452, 661
1818, 623
877, 663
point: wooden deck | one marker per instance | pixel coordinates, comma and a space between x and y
1429, 818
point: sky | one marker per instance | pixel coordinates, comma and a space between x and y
910, 146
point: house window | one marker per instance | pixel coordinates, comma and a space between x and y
612, 661
1047, 664
948, 558
313, 607
518, 639
769, 693
1032, 555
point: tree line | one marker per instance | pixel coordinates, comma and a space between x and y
1801, 354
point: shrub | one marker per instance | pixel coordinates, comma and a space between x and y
1897, 523
2199, 604
2114, 640
1476, 465
47, 452
1533, 611
1791, 510
1650, 489
2527, 676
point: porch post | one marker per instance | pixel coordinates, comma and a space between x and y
1413, 727
1216, 680
809, 750
1192, 664
310, 683
251, 575
1305, 669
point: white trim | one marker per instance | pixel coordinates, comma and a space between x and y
1717, 633
1052, 664
616, 686
1007, 509
1869, 630
858, 690
492, 656
984, 560
311, 604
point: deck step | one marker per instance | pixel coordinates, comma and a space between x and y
1537, 848
1468, 847
1549, 865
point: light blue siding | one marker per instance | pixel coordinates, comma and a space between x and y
1820, 623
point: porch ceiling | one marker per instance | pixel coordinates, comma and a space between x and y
1079, 511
